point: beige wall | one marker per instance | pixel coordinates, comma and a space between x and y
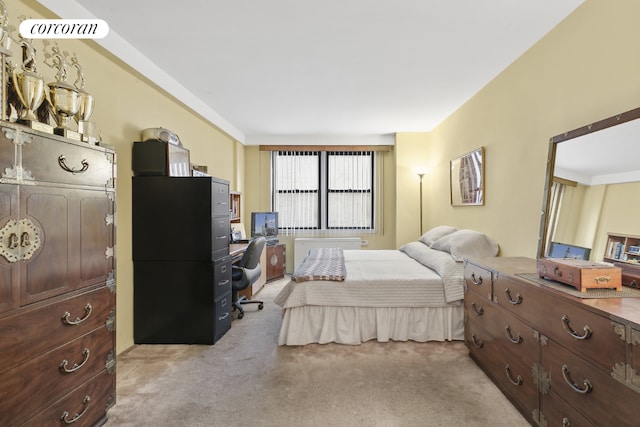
585, 70
126, 103
590, 213
412, 152
618, 215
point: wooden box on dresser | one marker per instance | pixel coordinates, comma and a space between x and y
57, 279
560, 359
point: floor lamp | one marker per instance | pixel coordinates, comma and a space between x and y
421, 171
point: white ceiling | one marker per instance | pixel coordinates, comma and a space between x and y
331, 67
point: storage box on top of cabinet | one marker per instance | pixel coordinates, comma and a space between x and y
57, 279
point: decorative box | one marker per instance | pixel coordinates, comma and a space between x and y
580, 274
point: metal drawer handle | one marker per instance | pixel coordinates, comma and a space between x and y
477, 311
587, 384
475, 281
76, 417
224, 282
224, 317
602, 279
517, 381
76, 366
516, 340
62, 162
516, 301
87, 313
587, 330
478, 343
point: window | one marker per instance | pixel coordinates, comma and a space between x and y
324, 190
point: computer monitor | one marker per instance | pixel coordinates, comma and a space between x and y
563, 250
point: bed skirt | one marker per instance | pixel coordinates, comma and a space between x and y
355, 325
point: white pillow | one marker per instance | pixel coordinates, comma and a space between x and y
463, 244
431, 236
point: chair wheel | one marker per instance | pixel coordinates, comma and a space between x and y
260, 306
240, 315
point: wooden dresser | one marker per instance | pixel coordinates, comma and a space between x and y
562, 360
57, 279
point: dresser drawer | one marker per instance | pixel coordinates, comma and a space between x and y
222, 320
42, 380
556, 412
476, 337
516, 336
87, 405
478, 280
512, 375
221, 277
602, 399
65, 162
220, 234
584, 332
36, 330
220, 199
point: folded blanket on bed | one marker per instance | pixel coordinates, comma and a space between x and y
321, 264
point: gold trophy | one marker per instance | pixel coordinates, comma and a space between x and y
29, 87
85, 110
5, 52
63, 99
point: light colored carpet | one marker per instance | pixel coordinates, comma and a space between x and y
246, 379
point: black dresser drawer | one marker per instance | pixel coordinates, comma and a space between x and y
222, 320
221, 276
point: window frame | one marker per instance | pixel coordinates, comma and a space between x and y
324, 191
370, 190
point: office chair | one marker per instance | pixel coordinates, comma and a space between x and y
245, 272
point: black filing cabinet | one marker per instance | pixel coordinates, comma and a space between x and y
181, 261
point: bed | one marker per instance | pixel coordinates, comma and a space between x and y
412, 293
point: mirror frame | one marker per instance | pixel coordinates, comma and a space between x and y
584, 130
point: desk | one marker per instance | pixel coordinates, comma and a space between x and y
236, 250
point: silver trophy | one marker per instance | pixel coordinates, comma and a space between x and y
5, 52
29, 86
85, 109
63, 99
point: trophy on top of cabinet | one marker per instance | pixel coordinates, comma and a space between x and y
5, 44
86, 103
63, 98
29, 86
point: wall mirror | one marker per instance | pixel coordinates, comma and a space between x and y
592, 186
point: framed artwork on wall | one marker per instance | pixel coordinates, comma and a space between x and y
467, 179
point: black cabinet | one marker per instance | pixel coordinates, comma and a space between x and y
182, 267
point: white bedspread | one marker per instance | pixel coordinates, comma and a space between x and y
381, 278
